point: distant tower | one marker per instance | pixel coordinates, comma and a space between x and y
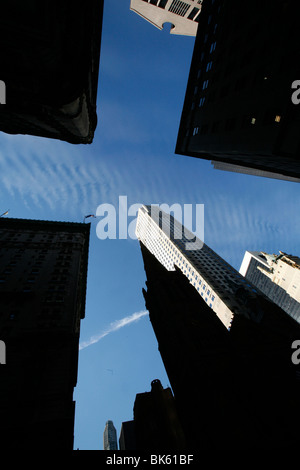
183, 15
110, 436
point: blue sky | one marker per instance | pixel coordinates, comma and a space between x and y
142, 83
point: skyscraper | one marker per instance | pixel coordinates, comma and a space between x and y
238, 107
223, 288
277, 276
43, 274
50, 55
234, 389
182, 14
110, 436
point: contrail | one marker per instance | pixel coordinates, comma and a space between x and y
114, 326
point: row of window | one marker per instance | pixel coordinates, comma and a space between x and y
231, 124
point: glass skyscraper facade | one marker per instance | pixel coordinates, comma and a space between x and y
110, 436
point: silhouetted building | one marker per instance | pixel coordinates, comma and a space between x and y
127, 439
49, 63
277, 276
183, 15
43, 274
157, 426
234, 389
238, 106
110, 436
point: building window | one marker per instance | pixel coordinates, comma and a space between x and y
213, 47
205, 84
193, 13
204, 129
277, 118
209, 66
201, 102
215, 127
230, 124
162, 3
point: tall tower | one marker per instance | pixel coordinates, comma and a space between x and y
223, 288
277, 276
182, 14
238, 110
43, 274
110, 436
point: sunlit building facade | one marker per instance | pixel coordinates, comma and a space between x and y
277, 276
223, 288
183, 15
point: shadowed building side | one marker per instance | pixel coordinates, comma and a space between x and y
43, 275
233, 389
238, 110
157, 427
50, 54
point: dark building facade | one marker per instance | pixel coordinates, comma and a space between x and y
127, 439
157, 426
43, 274
50, 54
238, 107
233, 389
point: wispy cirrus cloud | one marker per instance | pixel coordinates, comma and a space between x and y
114, 326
